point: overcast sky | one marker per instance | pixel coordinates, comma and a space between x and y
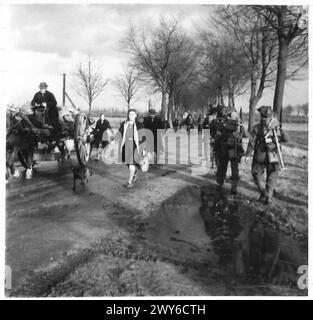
48, 40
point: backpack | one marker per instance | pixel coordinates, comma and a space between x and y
228, 129
229, 125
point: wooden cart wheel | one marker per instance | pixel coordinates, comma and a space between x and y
81, 138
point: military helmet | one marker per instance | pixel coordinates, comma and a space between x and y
265, 111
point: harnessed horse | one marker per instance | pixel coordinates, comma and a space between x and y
20, 142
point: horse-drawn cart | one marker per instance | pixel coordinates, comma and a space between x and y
82, 138
29, 143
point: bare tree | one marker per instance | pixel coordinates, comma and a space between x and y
256, 43
151, 50
289, 109
88, 81
195, 96
305, 109
127, 85
292, 43
301, 109
223, 67
181, 70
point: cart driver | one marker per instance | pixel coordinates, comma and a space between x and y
45, 99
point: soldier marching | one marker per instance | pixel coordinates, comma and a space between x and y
228, 132
264, 143
264, 147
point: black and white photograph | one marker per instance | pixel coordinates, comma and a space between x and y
155, 150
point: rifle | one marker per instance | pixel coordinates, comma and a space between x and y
280, 155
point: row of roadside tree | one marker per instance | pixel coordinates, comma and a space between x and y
238, 50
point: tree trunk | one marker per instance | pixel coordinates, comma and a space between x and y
170, 108
281, 74
89, 108
170, 115
231, 101
222, 99
252, 104
164, 105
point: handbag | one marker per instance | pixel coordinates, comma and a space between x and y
144, 165
142, 159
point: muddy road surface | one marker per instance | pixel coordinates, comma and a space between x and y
107, 240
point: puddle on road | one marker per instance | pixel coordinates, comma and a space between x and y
194, 224
179, 227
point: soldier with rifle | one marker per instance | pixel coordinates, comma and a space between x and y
264, 142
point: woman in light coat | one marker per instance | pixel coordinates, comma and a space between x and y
130, 145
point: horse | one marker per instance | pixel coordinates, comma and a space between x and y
23, 135
20, 143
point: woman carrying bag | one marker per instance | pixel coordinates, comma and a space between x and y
133, 151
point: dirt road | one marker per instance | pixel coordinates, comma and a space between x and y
107, 240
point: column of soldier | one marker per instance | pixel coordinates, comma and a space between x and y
227, 131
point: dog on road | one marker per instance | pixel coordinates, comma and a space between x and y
81, 173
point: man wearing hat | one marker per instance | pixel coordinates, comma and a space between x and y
265, 152
45, 100
153, 122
